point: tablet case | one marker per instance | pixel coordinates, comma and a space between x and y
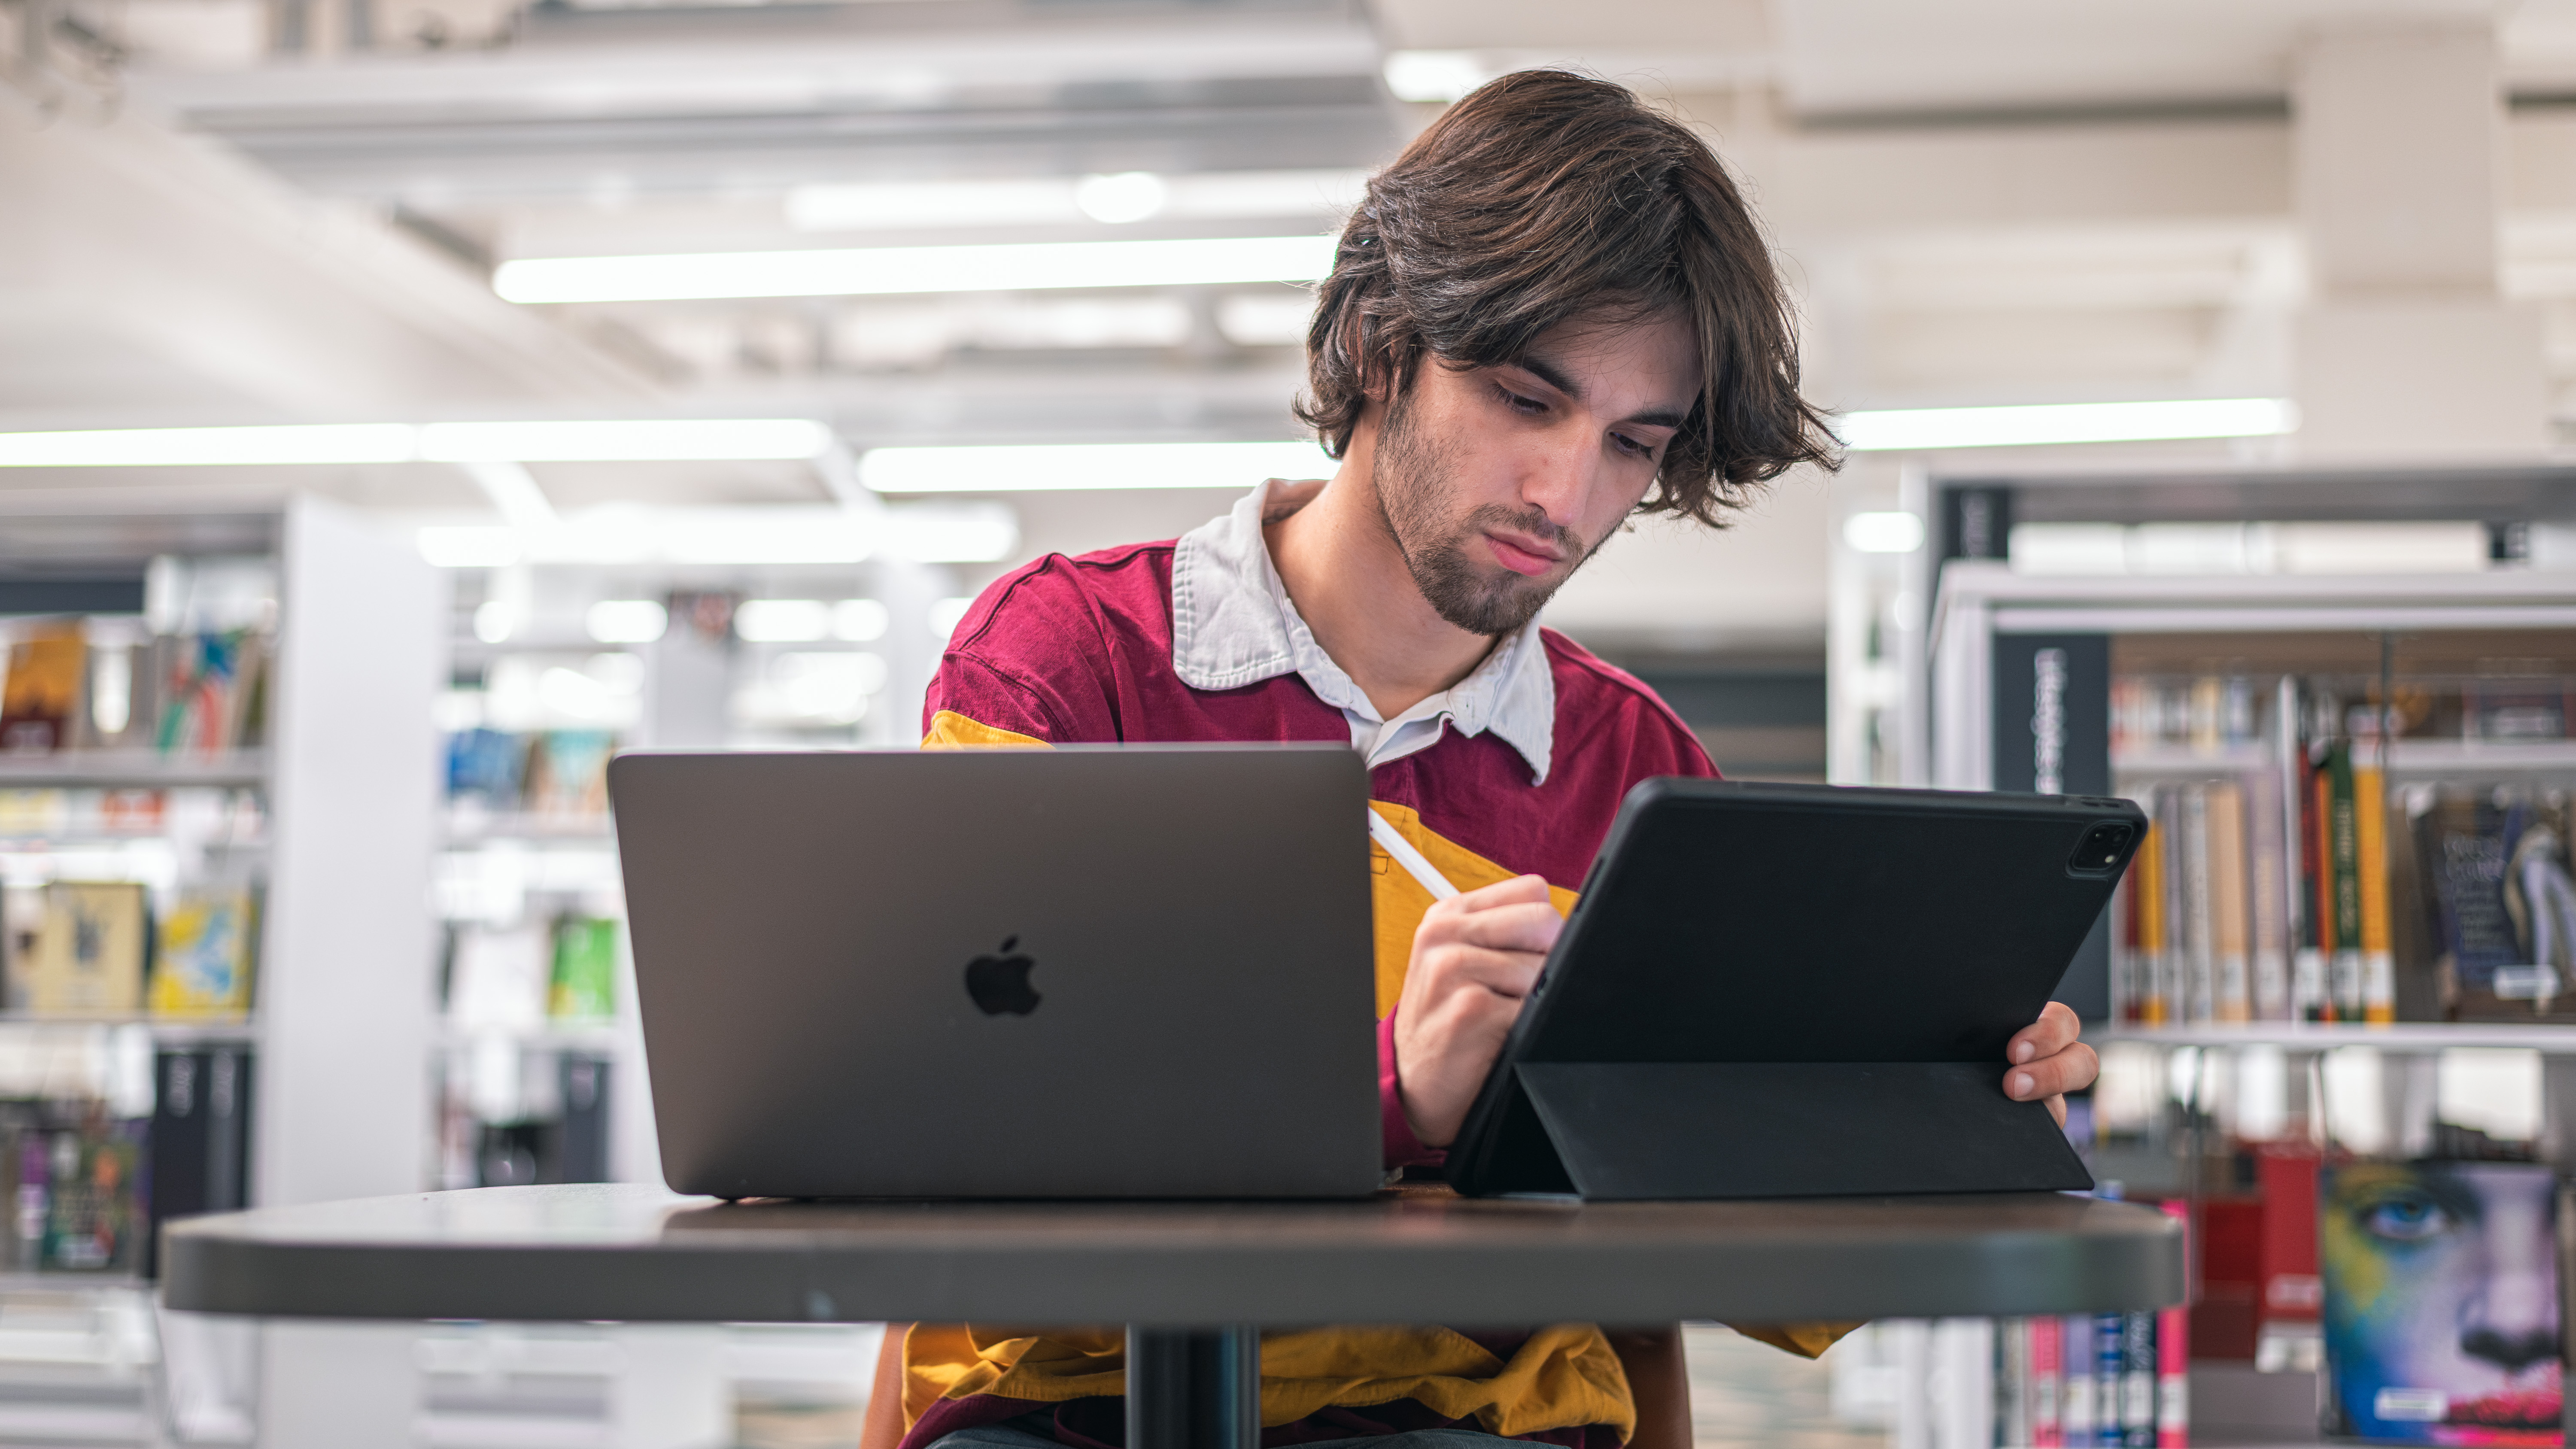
1793, 990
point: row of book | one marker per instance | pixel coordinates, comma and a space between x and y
192, 693
2210, 713
519, 978
95, 948
2338, 900
557, 773
86, 1191
2092, 1381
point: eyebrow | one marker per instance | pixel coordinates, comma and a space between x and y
1554, 376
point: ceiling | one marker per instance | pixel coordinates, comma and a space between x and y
1976, 200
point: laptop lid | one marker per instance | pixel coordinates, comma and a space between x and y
1082, 972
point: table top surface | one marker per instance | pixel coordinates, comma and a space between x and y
639, 1253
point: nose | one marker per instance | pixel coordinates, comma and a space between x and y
2512, 1352
1558, 479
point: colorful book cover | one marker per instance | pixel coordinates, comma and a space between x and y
2441, 1303
2370, 836
2110, 1363
89, 952
2076, 1336
2145, 884
43, 689
204, 965
2230, 929
486, 763
2343, 860
2138, 1379
568, 772
584, 985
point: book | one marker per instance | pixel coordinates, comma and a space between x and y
2138, 1379
2229, 929
2173, 1357
2076, 1414
2343, 862
89, 953
2200, 993
583, 984
487, 763
2378, 985
2047, 1382
41, 694
2311, 988
204, 965
2145, 885
2268, 894
212, 691
567, 772
499, 977
200, 1135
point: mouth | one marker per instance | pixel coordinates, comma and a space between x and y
1523, 554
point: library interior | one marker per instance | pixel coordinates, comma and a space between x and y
411, 408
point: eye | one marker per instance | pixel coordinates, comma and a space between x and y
1526, 406
2406, 1218
1632, 447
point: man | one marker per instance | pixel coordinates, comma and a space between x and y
1552, 311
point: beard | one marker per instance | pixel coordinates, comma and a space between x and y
1416, 479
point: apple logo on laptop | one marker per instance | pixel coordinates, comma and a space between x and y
1000, 983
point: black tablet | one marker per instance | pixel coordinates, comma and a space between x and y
1799, 990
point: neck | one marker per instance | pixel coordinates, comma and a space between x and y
1349, 581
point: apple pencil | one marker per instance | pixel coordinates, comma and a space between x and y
1392, 841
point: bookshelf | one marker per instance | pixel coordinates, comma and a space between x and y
2189, 667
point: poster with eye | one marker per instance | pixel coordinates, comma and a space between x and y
2441, 1302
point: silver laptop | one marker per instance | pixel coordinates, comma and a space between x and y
1105, 972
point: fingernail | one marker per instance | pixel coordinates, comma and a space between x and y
2021, 1084
2022, 1050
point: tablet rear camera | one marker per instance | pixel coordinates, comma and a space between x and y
2103, 848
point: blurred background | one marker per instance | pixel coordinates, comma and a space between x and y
406, 403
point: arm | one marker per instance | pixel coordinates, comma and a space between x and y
1658, 1384
883, 1427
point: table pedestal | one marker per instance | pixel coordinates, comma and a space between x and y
1194, 1388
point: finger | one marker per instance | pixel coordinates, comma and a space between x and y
1519, 890
1502, 973
2069, 1070
2056, 1029
1529, 926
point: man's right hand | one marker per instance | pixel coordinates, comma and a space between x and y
1475, 958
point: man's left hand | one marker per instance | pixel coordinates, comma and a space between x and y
2048, 1062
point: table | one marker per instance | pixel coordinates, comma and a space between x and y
1193, 1280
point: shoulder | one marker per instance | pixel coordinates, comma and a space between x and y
1597, 702
1069, 612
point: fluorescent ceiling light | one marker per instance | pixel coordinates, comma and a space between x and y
189, 447
840, 272
1125, 197
1059, 200
859, 620
1883, 532
770, 534
1012, 468
1912, 429
651, 440
636, 440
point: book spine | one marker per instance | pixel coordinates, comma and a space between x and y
2076, 1406
2200, 986
2318, 792
2268, 895
2012, 1383
2047, 1383
2138, 1379
2169, 960
2343, 835
2232, 984
2370, 835
2173, 1361
2146, 886
2110, 1364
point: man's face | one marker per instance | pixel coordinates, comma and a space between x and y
1496, 483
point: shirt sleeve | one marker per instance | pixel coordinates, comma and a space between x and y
1403, 1149
971, 703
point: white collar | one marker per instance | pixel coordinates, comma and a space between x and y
1233, 624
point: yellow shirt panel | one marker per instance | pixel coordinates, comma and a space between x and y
1400, 901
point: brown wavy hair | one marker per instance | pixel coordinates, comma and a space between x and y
1543, 196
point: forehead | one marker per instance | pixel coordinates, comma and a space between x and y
1616, 355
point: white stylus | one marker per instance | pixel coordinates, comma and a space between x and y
1415, 864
